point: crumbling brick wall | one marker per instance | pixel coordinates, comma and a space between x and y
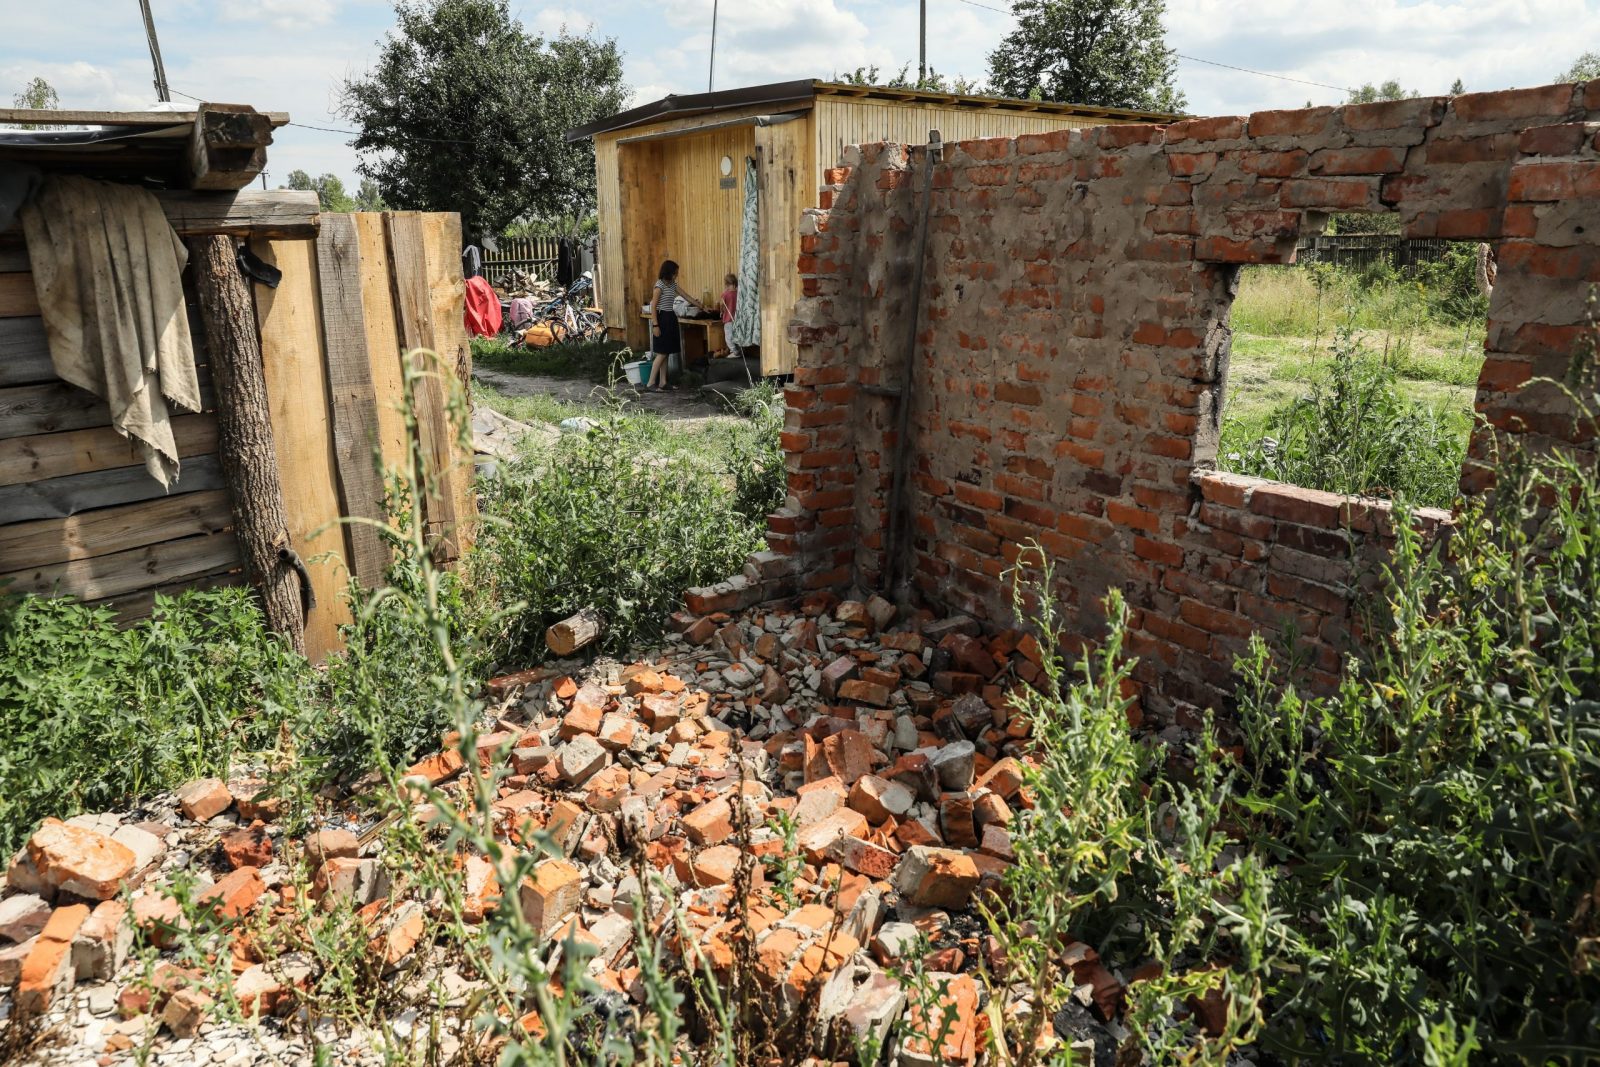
1070, 364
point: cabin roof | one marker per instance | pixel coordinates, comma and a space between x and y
808, 89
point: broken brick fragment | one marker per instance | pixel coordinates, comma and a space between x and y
79, 861
936, 877
204, 798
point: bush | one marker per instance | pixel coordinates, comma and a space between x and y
755, 453
1435, 822
94, 715
605, 520
1355, 433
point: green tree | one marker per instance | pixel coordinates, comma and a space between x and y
329, 189
932, 82
1458, 87
466, 111
38, 95
1585, 68
368, 198
1107, 53
1389, 90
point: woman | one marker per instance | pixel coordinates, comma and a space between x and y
664, 339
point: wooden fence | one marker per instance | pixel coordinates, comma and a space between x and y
1362, 250
536, 255
80, 516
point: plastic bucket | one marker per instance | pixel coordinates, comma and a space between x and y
638, 372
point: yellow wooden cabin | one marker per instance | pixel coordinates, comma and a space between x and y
670, 179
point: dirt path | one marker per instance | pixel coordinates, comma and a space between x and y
685, 408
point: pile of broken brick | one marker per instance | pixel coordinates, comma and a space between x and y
870, 763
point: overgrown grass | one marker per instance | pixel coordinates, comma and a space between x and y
595, 361
606, 518
1354, 432
93, 714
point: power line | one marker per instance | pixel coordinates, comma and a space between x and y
1194, 59
346, 133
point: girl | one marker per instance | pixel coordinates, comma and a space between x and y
730, 303
663, 326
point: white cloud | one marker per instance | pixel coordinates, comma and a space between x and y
281, 14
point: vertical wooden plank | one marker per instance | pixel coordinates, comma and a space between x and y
447, 290
352, 402
413, 301
297, 395
783, 174
383, 338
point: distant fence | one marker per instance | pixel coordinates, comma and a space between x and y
1362, 250
536, 255
539, 256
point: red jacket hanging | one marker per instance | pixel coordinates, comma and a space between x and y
483, 308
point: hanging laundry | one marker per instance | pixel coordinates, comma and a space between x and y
483, 308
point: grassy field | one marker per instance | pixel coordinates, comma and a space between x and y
1284, 326
595, 361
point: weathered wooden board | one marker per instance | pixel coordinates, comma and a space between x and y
383, 338
408, 259
52, 117
353, 403
54, 455
103, 531
17, 295
53, 407
24, 352
447, 291
14, 256
261, 213
55, 498
785, 174
126, 572
297, 396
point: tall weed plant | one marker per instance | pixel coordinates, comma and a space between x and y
604, 520
94, 714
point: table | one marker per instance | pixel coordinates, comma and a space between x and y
699, 338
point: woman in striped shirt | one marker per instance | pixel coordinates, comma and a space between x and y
663, 325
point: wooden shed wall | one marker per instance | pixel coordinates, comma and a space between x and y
787, 154
78, 514
846, 120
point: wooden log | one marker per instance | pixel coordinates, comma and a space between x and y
228, 146
350, 392
244, 439
571, 634
248, 213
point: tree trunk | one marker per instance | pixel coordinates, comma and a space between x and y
569, 635
244, 433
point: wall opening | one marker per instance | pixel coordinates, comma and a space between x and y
1354, 369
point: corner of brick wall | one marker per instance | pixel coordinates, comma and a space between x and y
1072, 353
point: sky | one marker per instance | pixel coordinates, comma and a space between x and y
292, 55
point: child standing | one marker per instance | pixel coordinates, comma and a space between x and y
730, 301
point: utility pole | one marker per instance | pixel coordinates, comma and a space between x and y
711, 75
162, 92
922, 48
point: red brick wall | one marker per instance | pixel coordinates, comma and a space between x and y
1071, 359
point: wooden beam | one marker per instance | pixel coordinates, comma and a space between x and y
275, 213
127, 572
55, 498
43, 542
353, 399
56, 455
17, 296
227, 146
54, 117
